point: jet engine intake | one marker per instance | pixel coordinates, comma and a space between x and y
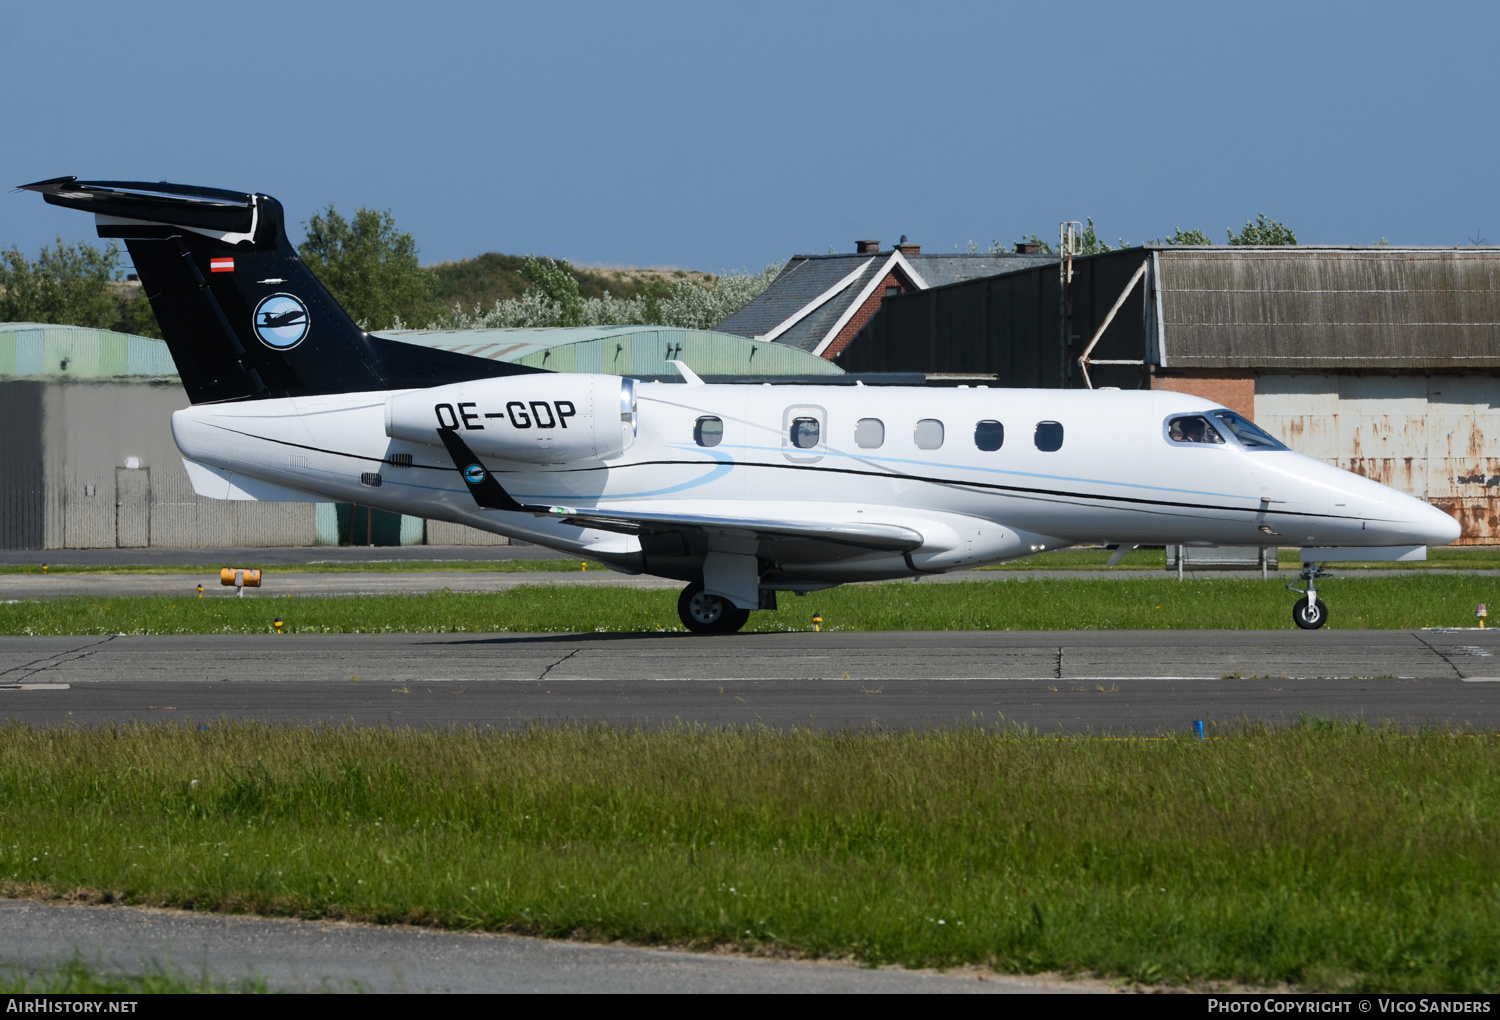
536, 419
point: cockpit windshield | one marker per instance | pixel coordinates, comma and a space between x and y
1250, 435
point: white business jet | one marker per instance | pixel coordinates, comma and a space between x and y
742, 491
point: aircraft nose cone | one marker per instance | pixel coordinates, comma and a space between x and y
1437, 527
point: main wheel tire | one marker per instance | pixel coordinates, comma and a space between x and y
1309, 620
703, 613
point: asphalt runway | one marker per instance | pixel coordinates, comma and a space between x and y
1065, 681
314, 956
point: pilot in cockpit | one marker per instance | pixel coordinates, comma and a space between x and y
1192, 430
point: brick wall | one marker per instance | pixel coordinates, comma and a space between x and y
863, 315
1234, 390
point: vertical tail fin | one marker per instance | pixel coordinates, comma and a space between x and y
240, 311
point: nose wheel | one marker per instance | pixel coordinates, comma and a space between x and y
703, 613
1309, 612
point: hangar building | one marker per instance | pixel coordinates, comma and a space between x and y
1384, 361
88, 459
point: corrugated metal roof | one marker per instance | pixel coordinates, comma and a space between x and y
39, 350
1401, 308
623, 350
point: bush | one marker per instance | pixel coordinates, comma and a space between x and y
554, 301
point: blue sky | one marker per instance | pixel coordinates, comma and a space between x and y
716, 136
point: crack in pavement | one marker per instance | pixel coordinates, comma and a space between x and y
56, 659
559, 662
1057, 670
1434, 650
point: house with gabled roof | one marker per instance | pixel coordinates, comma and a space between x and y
819, 302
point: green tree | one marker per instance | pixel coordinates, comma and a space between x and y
555, 281
369, 267
1262, 231
69, 285
1180, 237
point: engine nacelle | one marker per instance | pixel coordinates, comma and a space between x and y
538, 419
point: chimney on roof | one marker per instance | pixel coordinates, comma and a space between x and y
867, 247
908, 249
1028, 248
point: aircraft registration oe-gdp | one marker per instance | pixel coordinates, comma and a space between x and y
740, 490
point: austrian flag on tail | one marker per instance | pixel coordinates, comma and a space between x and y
221, 265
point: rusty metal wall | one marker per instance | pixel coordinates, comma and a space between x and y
1367, 308
1427, 435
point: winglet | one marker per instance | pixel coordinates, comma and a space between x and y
487, 492
688, 375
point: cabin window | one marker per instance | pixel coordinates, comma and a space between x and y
989, 435
869, 434
1193, 428
804, 433
929, 434
708, 431
1250, 435
1049, 436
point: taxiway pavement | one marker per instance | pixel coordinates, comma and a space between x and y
1068, 681
314, 956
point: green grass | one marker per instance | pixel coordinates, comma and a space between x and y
519, 566
1050, 604
1326, 856
77, 978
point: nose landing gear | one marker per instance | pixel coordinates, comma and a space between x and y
1309, 612
703, 613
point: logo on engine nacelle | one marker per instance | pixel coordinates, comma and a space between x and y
474, 474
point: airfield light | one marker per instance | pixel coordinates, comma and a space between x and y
1198, 729
277, 624
817, 621
44, 568
583, 565
200, 591
1481, 612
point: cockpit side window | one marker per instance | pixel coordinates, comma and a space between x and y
1193, 428
1250, 435
708, 431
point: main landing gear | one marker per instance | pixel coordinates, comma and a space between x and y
703, 613
1309, 612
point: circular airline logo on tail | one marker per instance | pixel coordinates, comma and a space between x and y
281, 321
473, 474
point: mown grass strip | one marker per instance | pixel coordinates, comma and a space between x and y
1050, 604
1327, 856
